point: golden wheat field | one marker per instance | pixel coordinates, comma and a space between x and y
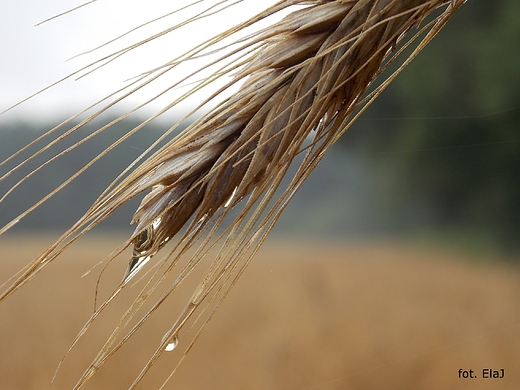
304, 316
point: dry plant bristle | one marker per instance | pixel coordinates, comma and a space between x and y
304, 80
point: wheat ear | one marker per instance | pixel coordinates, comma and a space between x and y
304, 81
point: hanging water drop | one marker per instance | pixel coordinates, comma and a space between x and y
172, 344
135, 266
142, 254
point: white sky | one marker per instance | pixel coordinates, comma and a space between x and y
32, 57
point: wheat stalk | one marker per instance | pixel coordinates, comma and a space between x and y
304, 81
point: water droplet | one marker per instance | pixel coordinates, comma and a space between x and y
135, 266
172, 344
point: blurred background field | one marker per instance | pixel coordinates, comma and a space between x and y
337, 315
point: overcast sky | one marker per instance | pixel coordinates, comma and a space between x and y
33, 57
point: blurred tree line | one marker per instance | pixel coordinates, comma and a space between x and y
71, 202
445, 134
